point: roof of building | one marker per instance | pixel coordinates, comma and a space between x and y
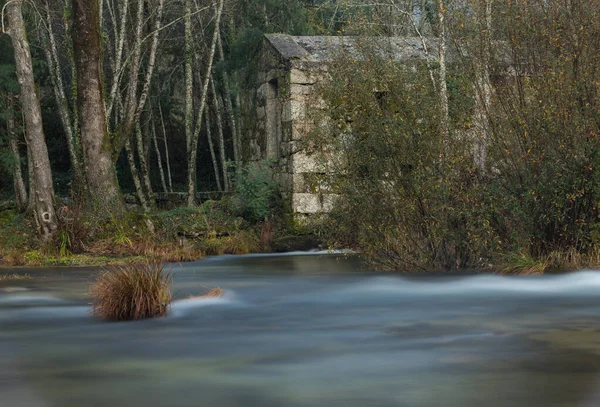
324, 48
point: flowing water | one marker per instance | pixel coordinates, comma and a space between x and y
306, 330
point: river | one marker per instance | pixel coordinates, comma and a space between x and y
306, 330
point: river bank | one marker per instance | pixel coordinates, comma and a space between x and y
182, 234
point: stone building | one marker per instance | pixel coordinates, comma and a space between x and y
290, 69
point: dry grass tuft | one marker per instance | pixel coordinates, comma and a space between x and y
172, 252
523, 263
131, 292
13, 277
214, 293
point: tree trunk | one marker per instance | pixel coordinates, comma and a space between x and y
31, 186
484, 93
127, 126
19, 183
229, 107
42, 174
51, 51
194, 142
161, 170
443, 87
68, 33
139, 190
100, 173
213, 156
189, 79
219, 118
240, 126
117, 60
144, 169
164, 131
151, 60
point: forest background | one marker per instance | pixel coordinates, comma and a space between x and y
487, 159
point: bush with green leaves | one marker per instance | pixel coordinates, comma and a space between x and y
256, 194
210, 217
414, 200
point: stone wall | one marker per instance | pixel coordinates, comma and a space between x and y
284, 99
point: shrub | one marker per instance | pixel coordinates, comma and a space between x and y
211, 216
256, 192
131, 292
243, 242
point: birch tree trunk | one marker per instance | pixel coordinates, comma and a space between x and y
51, 52
442, 85
484, 93
189, 79
100, 173
240, 126
117, 60
229, 107
158, 158
42, 175
139, 190
136, 99
194, 142
213, 156
219, 118
127, 127
144, 169
167, 159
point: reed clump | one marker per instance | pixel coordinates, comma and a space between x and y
132, 292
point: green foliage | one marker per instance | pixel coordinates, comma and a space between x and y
256, 194
523, 263
413, 201
210, 217
409, 196
34, 258
242, 242
17, 232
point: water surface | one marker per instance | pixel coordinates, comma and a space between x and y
306, 330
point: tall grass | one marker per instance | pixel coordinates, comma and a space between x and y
523, 263
131, 292
243, 242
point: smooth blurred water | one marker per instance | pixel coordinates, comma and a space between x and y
306, 330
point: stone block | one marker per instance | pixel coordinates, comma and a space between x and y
299, 184
286, 183
313, 203
299, 77
261, 93
286, 132
293, 110
302, 162
255, 151
300, 129
300, 90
